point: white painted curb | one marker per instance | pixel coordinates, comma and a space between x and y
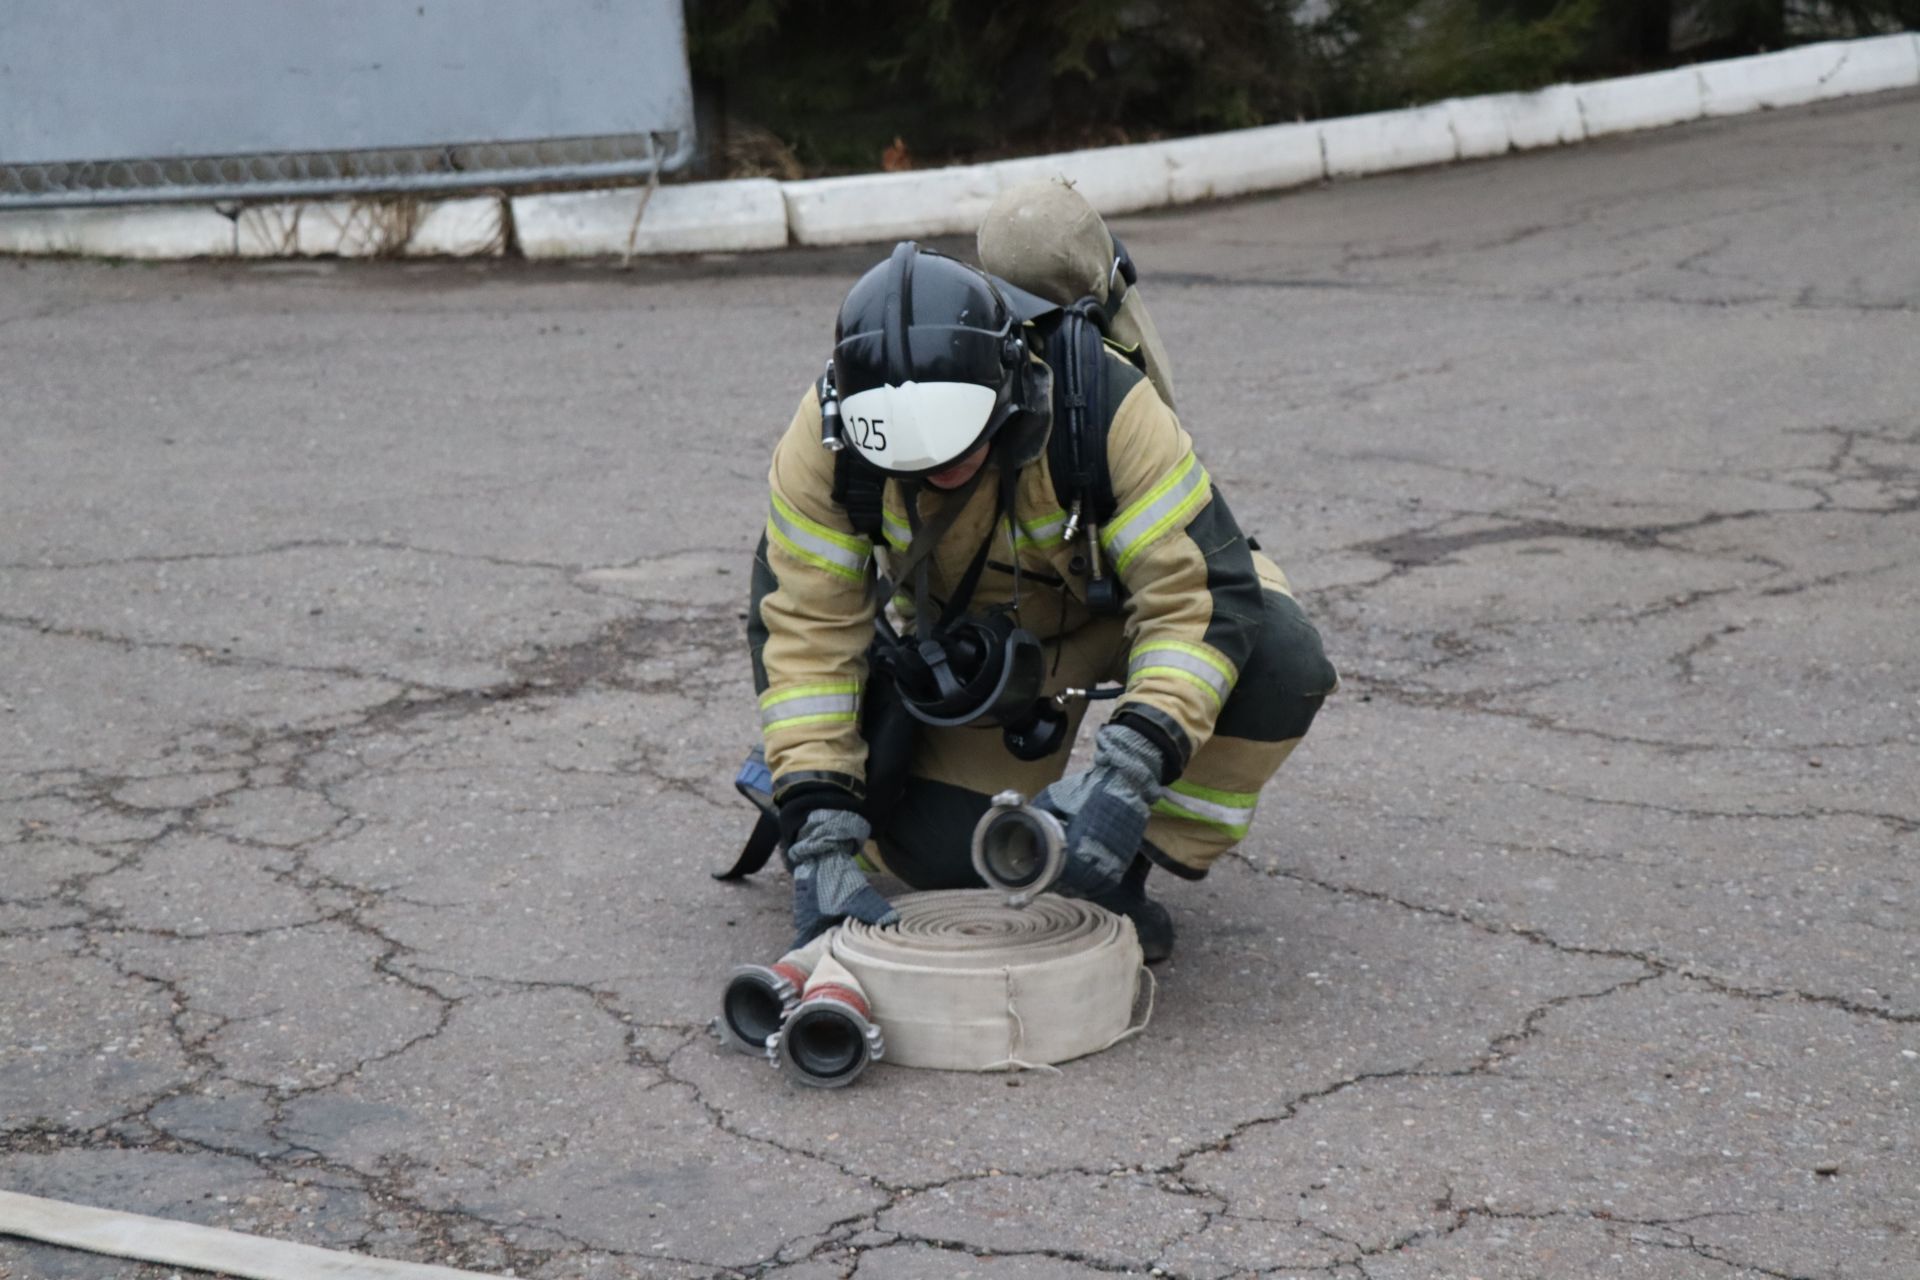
1548, 117
1872, 66
881, 206
1641, 102
302, 229
1786, 79
731, 217
703, 217
891, 206
149, 231
1220, 165
1114, 179
467, 228
1410, 139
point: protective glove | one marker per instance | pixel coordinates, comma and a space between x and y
1105, 809
828, 886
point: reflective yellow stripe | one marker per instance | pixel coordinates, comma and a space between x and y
1192, 662
774, 697
1183, 674
809, 704
1183, 491
824, 717
816, 544
896, 529
1228, 811
1047, 531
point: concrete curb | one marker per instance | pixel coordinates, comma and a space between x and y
737, 216
302, 229
700, 217
469, 228
1220, 165
138, 231
1410, 139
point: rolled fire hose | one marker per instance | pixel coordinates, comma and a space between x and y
965, 982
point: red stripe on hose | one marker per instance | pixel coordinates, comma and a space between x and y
845, 995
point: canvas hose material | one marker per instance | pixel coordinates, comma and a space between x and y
965, 982
198, 1248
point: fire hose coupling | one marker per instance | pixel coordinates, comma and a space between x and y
1018, 850
830, 1037
760, 997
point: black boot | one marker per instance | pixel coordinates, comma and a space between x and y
1150, 919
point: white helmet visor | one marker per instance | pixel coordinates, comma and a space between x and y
917, 426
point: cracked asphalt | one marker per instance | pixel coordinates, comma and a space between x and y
371, 679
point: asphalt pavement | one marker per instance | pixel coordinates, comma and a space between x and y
372, 679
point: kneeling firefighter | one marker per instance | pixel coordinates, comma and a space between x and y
1043, 526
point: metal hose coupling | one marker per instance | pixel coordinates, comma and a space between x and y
830, 1037
759, 997
1017, 849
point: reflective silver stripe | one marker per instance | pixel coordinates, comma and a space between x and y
1046, 532
1138, 527
815, 543
1235, 822
1185, 660
796, 708
898, 533
1230, 811
808, 704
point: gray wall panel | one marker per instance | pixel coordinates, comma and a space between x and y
111, 79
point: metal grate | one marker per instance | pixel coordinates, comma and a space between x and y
412, 169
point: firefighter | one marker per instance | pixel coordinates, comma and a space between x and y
1000, 522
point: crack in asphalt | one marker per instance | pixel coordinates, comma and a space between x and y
1801, 301
211, 655
1897, 823
1463, 1216
695, 644
1434, 543
1169, 1177
1661, 967
602, 660
599, 662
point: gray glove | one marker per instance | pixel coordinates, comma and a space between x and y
1105, 809
828, 886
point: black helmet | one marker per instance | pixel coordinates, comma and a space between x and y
930, 362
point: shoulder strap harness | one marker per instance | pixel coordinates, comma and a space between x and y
1077, 449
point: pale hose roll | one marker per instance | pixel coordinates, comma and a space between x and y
966, 983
